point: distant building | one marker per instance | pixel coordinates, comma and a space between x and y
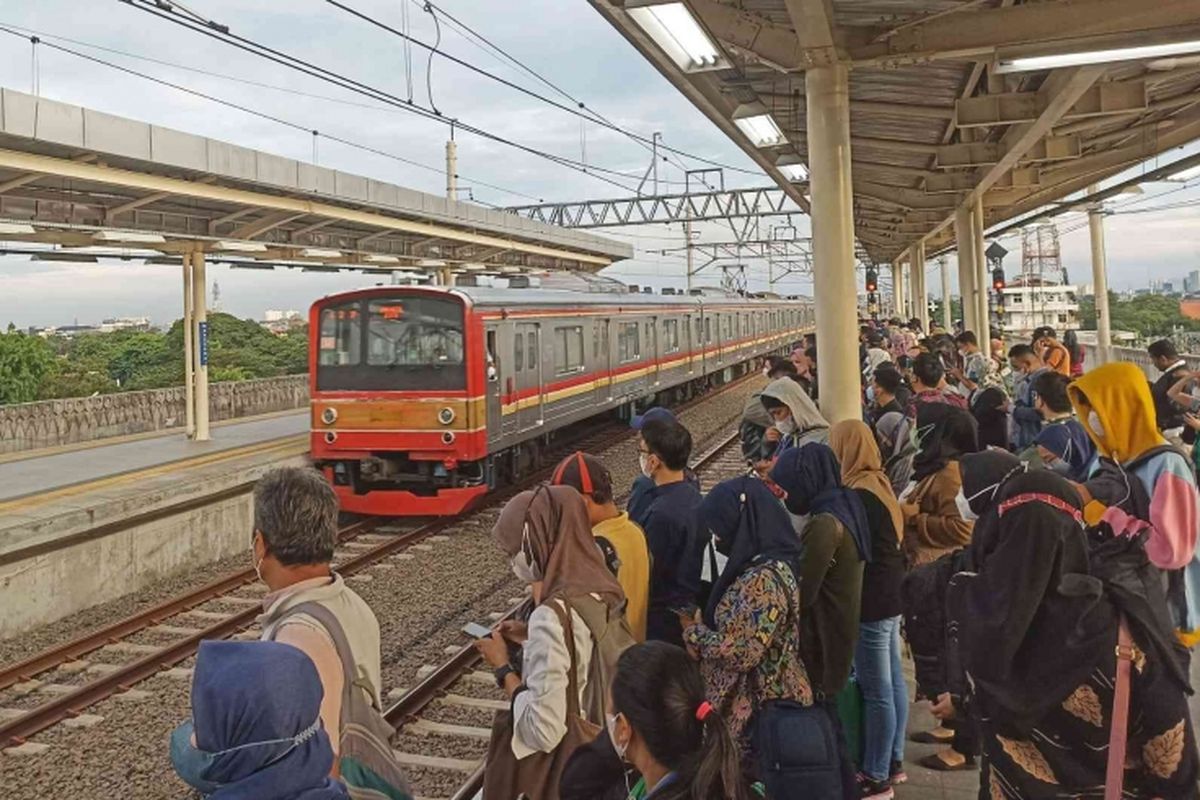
1032, 305
1189, 306
69, 331
1191, 283
125, 324
1168, 287
275, 315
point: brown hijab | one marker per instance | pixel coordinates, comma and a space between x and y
862, 467
559, 541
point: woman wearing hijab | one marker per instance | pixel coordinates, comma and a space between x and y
836, 542
1039, 638
546, 535
877, 655
1114, 405
255, 732
797, 420
748, 639
938, 670
933, 525
896, 449
989, 406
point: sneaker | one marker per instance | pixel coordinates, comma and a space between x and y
875, 790
897, 775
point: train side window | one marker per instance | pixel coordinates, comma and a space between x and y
699, 338
341, 335
519, 353
568, 349
708, 330
531, 354
628, 342
670, 335
492, 368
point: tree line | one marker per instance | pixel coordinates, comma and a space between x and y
34, 367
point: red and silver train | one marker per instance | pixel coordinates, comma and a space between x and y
423, 399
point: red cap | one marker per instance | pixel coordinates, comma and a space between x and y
584, 473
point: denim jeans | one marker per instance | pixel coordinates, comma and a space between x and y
885, 695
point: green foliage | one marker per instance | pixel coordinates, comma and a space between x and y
32, 368
1150, 316
25, 361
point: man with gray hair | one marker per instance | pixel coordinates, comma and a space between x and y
295, 530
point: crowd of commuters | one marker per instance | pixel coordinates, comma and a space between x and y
1026, 533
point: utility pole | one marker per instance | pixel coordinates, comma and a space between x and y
1100, 279
687, 232
451, 166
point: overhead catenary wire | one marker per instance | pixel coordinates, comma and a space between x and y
308, 129
580, 110
222, 34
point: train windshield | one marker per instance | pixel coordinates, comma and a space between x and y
391, 344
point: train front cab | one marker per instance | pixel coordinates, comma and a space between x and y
398, 408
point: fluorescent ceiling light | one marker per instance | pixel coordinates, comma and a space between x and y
1186, 174
320, 252
758, 125
129, 237
235, 246
792, 167
1098, 57
473, 267
676, 31
381, 259
14, 229
430, 262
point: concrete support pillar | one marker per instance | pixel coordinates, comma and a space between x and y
200, 344
921, 301
982, 282
834, 286
189, 378
964, 236
897, 290
944, 268
1100, 280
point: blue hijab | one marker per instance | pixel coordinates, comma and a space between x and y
1070, 442
751, 527
256, 715
812, 478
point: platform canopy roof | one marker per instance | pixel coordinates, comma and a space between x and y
1019, 104
77, 178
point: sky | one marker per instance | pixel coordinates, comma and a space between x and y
566, 42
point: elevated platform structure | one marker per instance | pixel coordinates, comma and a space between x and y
914, 125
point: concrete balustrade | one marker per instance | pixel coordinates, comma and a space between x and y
52, 423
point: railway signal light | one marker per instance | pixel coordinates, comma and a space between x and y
872, 281
998, 279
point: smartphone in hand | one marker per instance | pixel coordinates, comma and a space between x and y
477, 631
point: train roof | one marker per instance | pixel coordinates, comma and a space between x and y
489, 297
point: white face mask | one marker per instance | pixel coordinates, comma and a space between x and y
1094, 424
644, 464
610, 722
523, 565
786, 426
964, 507
870, 394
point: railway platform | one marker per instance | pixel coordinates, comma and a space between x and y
135, 507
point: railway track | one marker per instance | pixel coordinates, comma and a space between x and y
461, 685
186, 620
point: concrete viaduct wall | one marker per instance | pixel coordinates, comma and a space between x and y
50, 423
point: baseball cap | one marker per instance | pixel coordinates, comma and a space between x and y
656, 413
584, 473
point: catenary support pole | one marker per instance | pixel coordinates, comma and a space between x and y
982, 282
1100, 280
918, 267
189, 378
897, 290
964, 237
828, 116
687, 235
451, 168
200, 344
944, 269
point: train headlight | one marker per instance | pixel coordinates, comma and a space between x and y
447, 437
330, 437
329, 415
446, 415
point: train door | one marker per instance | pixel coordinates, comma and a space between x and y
652, 350
495, 373
512, 377
530, 383
689, 343
602, 358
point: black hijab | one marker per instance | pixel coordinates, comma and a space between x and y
812, 478
983, 477
944, 433
989, 413
1033, 622
750, 526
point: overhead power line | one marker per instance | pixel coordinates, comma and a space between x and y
223, 34
256, 113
